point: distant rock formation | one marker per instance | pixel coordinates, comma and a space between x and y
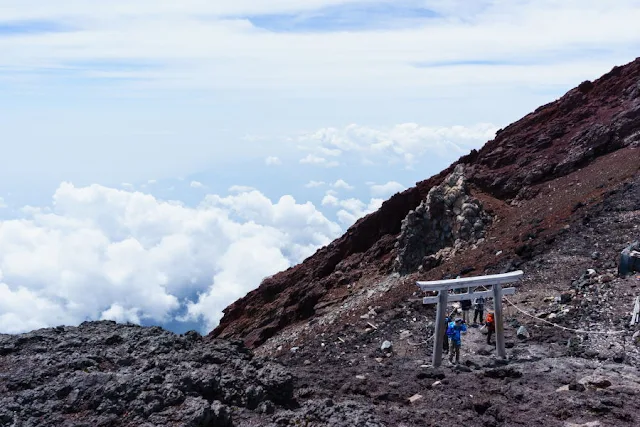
449, 217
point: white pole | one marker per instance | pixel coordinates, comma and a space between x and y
440, 325
497, 302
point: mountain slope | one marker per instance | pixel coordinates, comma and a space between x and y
507, 176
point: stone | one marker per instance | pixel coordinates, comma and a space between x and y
522, 333
589, 424
619, 357
484, 350
415, 398
595, 381
386, 346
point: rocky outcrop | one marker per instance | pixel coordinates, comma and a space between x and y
449, 217
558, 139
103, 374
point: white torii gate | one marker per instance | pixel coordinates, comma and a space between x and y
444, 286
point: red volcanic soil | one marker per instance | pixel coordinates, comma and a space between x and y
534, 178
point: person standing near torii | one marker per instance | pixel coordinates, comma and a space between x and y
454, 330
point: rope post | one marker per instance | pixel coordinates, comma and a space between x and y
440, 325
497, 301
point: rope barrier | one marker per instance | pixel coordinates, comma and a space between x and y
422, 342
580, 331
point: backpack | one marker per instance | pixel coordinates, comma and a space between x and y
450, 330
490, 318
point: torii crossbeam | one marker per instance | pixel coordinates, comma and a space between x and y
444, 286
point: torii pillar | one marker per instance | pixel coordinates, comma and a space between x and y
444, 286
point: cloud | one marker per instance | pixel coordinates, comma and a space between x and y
196, 184
272, 161
488, 42
354, 209
330, 200
342, 184
386, 190
241, 189
317, 160
127, 186
151, 181
104, 253
404, 143
2, 203
314, 184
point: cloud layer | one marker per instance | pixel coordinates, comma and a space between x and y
103, 253
129, 41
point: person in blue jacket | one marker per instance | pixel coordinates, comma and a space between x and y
454, 330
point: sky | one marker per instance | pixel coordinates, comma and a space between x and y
160, 158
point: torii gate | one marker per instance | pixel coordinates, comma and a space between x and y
444, 286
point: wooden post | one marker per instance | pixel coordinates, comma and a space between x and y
497, 301
440, 325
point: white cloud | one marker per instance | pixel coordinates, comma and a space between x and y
120, 314
320, 161
354, 209
272, 161
196, 184
493, 39
127, 186
386, 190
2, 203
404, 143
241, 189
314, 184
342, 184
103, 253
151, 181
330, 200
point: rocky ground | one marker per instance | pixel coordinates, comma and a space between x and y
555, 377
103, 374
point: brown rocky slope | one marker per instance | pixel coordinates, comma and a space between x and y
530, 181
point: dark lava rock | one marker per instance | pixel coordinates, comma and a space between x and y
105, 374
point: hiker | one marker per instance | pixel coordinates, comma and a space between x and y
491, 326
453, 332
479, 310
445, 341
465, 304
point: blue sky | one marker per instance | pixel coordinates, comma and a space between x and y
152, 150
